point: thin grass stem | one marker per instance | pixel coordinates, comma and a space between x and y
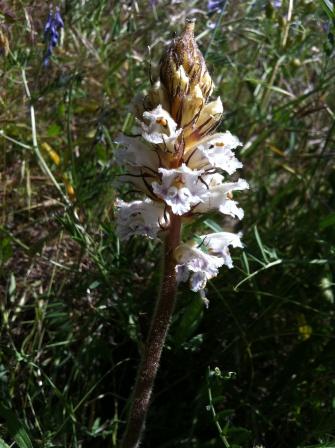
36, 149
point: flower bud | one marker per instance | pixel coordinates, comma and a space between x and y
184, 75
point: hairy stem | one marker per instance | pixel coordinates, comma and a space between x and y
155, 341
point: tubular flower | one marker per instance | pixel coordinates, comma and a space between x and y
180, 162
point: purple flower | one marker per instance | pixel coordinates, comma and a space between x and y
215, 5
51, 33
325, 26
58, 19
277, 3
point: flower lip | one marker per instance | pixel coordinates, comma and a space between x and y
218, 198
218, 245
180, 188
135, 153
215, 152
159, 128
195, 265
140, 218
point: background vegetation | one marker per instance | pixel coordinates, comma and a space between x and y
257, 366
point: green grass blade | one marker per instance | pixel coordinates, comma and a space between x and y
15, 428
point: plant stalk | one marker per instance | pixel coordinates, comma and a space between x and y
155, 341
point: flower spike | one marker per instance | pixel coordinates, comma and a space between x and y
180, 163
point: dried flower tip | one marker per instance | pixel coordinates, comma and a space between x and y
184, 75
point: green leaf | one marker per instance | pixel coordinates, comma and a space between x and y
12, 285
101, 153
3, 444
192, 315
54, 130
15, 428
328, 7
260, 244
327, 221
213, 225
6, 251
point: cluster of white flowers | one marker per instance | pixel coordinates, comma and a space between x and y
180, 165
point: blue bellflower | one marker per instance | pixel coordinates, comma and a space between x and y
51, 33
215, 5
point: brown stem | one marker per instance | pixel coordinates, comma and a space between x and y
155, 341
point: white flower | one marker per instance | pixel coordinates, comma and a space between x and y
195, 265
180, 188
159, 128
198, 281
135, 153
217, 244
217, 198
216, 152
140, 218
213, 180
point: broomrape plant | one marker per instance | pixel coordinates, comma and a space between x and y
180, 163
